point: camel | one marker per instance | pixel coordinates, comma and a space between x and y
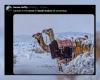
39, 38
86, 45
50, 33
77, 49
82, 45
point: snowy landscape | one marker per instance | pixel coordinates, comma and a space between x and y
26, 61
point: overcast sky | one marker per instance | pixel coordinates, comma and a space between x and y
30, 24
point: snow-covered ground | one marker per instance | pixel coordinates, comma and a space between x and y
29, 62
44, 77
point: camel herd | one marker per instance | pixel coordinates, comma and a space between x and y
78, 45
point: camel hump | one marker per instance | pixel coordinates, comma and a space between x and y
65, 42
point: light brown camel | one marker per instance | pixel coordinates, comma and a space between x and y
39, 38
82, 45
79, 46
77, 49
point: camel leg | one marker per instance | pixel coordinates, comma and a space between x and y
68, 59
76, 52
90, 47
59, 66
81, 49
86, 48
73, 54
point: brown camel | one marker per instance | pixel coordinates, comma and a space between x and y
39, 38
50, 33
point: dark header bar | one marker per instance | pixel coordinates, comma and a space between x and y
51, 9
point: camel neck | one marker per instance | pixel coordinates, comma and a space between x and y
43, 45
51, 37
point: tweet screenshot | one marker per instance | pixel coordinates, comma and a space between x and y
50, 40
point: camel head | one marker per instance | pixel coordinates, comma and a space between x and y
37, 36
48, 31
77, 41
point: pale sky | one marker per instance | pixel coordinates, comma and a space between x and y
30, 24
